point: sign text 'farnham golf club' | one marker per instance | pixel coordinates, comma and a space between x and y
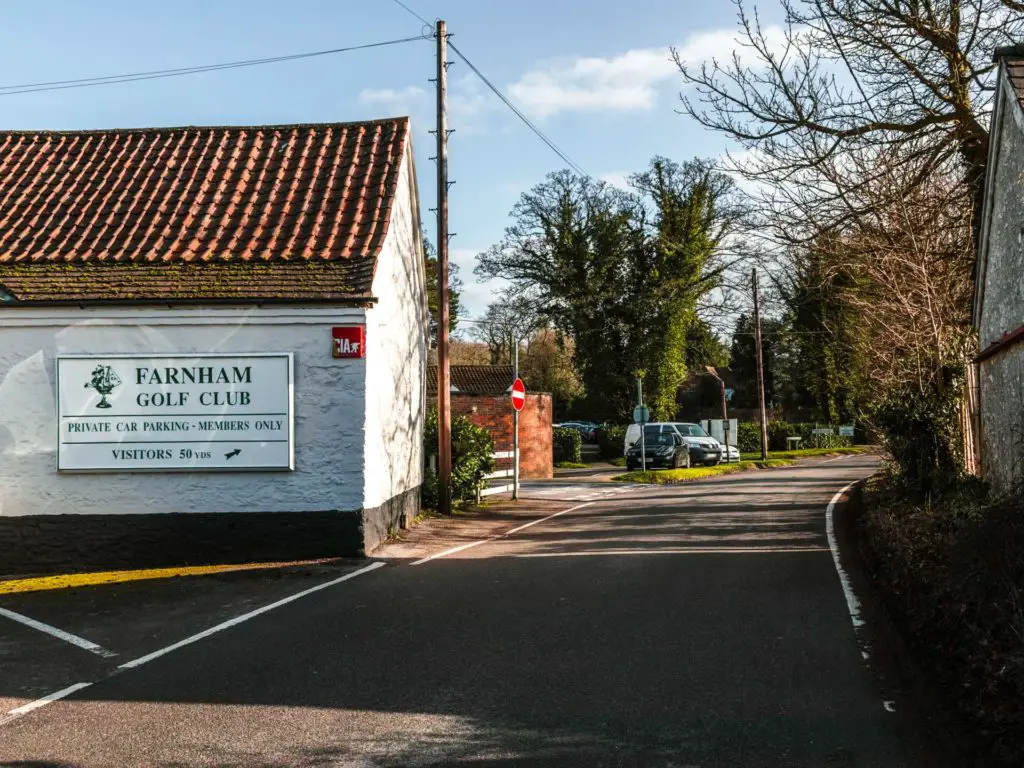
153, 413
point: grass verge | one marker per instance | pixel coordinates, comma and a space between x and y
571, 465
806, 452
619, 461
673, 476
950, 571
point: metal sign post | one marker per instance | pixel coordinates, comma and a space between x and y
518, 401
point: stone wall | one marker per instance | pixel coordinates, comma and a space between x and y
494, 413
1001, 377
1001, 382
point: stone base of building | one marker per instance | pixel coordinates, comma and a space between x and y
39, 544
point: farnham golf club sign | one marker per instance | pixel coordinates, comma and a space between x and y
174, 413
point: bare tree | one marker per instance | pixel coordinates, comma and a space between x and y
513, 316
846, 76
907, 268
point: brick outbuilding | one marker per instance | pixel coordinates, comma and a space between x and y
481, 394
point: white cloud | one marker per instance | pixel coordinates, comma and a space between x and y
617, 179
393, 102
469, 104
627, 82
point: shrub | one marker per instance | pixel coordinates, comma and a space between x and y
951, 572
748, 438
922, 434
472, 458
610, 439
778, 431
567, 445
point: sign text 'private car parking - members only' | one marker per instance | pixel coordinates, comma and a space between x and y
174, 413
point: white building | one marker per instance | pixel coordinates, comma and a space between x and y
173, 304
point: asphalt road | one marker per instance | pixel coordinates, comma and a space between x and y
702, 625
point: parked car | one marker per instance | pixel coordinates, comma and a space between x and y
662, 449
733, 455
703, 448
587, 429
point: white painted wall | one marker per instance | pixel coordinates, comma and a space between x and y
330, 401
396, 344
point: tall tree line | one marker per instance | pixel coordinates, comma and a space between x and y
623, 273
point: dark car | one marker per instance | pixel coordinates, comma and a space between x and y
663, 449
587, 429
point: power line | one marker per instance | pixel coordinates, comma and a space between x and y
86, 82
411, 11
519, 113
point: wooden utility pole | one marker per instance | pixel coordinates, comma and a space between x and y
444, 388
760, 369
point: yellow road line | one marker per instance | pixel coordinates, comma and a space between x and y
68, 580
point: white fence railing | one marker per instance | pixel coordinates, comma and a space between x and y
501, 474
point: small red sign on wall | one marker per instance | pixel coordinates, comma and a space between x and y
349, 341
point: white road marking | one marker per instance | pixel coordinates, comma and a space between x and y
581, 492
60, 634
852, 603
57, 695
837, 458
246, 616
24, 709
677, 551
497, 536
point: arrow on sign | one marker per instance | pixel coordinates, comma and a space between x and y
233, 453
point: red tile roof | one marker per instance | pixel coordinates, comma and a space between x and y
189, 213
475, 379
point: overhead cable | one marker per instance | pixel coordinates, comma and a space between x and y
85, 82
411, 11
519, 113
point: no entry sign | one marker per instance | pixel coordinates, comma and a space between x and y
518, 394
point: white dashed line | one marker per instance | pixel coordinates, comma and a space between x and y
60, 634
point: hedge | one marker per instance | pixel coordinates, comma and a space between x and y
567, 445
750, 436
472, 458
610, 441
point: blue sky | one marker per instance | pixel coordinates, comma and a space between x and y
593, 74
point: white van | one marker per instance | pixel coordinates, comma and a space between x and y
703, 448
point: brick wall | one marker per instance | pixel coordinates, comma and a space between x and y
494, 413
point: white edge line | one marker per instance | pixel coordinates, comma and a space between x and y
246, 616
24, 709
852, 603
60, 634
496, 536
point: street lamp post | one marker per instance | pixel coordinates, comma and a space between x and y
725, 415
